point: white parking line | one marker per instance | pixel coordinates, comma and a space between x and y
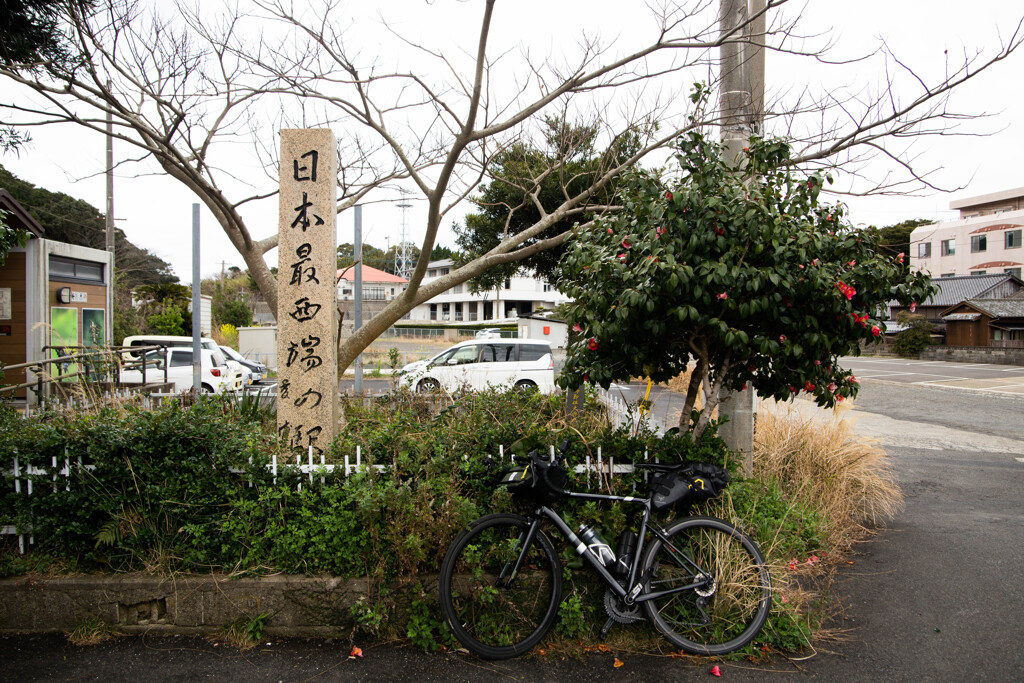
1020, 459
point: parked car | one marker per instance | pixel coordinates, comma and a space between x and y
477, 364
489, 333
257, 371
169, 341
216, 375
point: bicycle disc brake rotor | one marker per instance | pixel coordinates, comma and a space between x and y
708, 589
618, 610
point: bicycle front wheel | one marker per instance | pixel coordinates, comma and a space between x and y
726, 589
495, 614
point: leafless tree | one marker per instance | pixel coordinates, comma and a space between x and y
184, 84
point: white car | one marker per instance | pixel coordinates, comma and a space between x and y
217, 376
482, 363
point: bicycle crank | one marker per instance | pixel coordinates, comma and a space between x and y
620, 611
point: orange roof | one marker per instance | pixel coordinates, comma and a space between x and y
370, 274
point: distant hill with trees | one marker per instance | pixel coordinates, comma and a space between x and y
75, 221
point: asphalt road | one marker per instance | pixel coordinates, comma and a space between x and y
935, 596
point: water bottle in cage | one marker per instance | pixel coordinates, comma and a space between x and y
598, 548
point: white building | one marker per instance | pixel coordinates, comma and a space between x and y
985, 240
520, 295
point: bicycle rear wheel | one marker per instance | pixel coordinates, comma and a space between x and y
731, 592
495, 618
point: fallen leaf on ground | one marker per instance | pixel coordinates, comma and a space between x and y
618, 663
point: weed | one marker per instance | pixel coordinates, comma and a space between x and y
369, 618
92, 631
246, 631
424, 628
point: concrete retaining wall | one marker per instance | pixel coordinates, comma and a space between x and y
297, 605
974, 354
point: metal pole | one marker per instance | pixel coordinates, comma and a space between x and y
357, 321
197, 306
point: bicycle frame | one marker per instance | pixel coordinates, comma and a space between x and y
633, 594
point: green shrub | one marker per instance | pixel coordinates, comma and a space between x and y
916, 338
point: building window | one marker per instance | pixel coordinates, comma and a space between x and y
978, 272
64, 268
1012, 239
373, 294
948, 275
548, 287
433, 311
979, 243
924, 250
948, 247
432, 272
508, 283
1014, 272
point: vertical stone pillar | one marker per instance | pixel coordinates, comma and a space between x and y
307, 308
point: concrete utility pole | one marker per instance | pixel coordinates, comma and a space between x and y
110, 183
741, 104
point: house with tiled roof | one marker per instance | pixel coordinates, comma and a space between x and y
379, 289
986, 322
956, 289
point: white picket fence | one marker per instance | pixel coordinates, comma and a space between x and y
619, 411
27, 477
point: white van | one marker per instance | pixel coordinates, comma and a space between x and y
216, 376
168, 341
235, 374
477, 364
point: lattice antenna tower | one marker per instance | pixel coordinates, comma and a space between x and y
403, 250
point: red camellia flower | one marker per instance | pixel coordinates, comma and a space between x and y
913, 306
782, 337
817, 362
626, 244
668, 195
660, 230
808, 387
832, 386
723, 296
854, 379
899, 257
792, 389
610, 231
622, 257
876, 330
592, 344
577, 328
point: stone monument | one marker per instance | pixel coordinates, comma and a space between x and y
307, 300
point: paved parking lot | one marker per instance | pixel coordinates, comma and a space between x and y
1001, 379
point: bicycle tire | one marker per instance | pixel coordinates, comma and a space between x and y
499, 622
731, 606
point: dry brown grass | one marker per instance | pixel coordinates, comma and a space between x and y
846, 478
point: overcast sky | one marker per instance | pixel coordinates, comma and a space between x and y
155, 211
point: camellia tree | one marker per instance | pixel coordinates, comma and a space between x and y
741, 271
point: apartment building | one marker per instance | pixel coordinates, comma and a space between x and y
520, 295
987, 238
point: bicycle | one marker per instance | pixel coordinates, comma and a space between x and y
700, 581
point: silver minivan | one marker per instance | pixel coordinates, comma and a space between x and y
482, 363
